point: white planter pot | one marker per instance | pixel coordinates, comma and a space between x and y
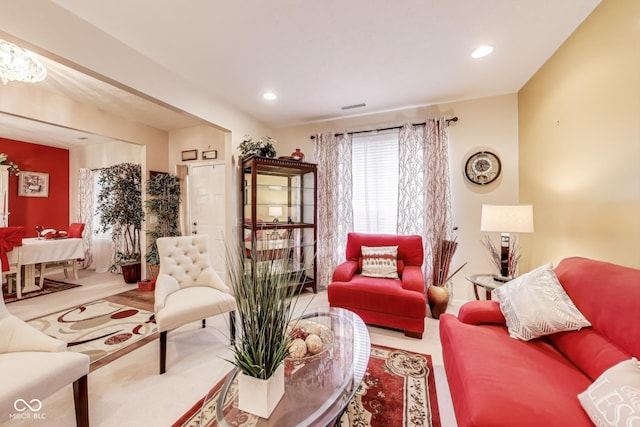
260, 397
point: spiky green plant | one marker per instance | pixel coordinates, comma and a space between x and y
265, 301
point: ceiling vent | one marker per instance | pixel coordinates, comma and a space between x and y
351, 107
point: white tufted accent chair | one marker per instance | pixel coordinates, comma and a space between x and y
34, 365
187, 288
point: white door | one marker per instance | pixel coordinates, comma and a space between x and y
206, 197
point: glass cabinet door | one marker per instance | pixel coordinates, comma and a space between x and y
279, 209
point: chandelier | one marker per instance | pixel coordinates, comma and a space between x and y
18, 64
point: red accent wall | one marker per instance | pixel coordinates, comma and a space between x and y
52, 211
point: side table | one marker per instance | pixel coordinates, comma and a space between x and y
486, 281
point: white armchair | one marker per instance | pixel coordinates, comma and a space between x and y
187, 288
34, 366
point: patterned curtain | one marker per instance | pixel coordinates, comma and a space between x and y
334, 210
411, 180
424, 197
85, 213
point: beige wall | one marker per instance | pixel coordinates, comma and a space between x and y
201, 138
580, 142
484, 124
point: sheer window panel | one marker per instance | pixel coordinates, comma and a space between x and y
375, 182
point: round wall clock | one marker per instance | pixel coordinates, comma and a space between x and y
482, 168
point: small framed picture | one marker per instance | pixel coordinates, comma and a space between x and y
33, 184
190, 155
210, 155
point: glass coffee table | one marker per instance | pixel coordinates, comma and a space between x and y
486, 281
317, 389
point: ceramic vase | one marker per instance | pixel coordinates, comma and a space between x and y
438, 297
298, 155
260, 397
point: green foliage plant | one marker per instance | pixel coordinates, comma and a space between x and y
264, 147
163, 203
120, 208
265, 301
13, 168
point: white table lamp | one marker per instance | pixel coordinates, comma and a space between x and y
506, 219
275, 212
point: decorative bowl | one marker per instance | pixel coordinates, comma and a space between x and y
310, 340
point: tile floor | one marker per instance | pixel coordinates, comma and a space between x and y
129, 391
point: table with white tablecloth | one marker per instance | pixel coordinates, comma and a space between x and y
36, 251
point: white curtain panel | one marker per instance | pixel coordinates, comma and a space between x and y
335, 212
411, 175
424, 194
437, 220
85, 213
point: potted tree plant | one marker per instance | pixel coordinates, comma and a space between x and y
120, 211
163, 206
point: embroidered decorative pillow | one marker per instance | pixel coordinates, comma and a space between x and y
380, 261
535, 304
614, 398
399, 266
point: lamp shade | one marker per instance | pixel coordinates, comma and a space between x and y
275, 211
507, 218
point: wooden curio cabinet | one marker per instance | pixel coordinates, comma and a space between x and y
279, 203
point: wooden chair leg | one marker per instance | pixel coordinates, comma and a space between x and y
19, 281
204, 323
163, 352
74, 267
232, 326
43, 269
81, 400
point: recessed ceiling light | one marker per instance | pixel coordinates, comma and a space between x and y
269, 95
482, 51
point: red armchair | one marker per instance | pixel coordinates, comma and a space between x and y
394, 303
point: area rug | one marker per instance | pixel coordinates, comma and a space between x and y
98, 328
50, 286
398, 390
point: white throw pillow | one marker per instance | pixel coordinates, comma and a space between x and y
535, 304
614, 398
380, 261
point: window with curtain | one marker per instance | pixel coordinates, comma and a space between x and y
375, 182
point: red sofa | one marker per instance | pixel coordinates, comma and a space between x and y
394, 303
496, 380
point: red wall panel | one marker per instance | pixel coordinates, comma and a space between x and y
52, 211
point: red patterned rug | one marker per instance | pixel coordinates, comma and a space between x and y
398, 390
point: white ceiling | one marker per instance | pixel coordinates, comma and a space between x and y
320, 55
85, 89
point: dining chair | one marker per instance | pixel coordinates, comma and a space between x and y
188, 289
10, 238
74, 231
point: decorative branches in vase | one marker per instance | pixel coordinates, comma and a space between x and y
496, 257
438, 294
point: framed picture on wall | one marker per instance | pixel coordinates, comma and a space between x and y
189, 155
33, 184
